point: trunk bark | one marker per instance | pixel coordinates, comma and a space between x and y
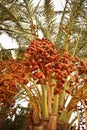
61, 126
39, 128
1, 122
52, 125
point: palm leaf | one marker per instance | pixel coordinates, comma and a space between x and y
73, 20
81, 94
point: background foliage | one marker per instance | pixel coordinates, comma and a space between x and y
23, 19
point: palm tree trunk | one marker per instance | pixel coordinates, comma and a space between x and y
52, 125
1, 122
39, 128
62, 126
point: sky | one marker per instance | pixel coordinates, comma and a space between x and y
8, 43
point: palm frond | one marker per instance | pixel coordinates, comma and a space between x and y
47, 20
16, 18
71, 23
80, 94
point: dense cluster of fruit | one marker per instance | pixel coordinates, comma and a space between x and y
47, 65
44, 65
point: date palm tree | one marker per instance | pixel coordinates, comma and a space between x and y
25, 21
